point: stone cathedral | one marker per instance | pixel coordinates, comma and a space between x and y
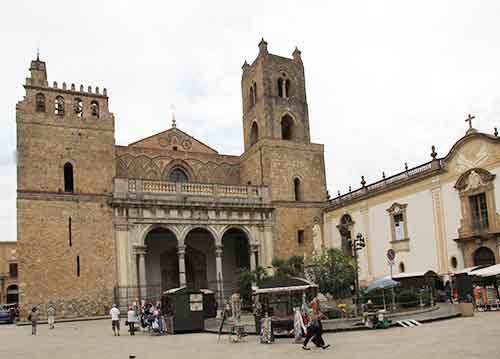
97, 221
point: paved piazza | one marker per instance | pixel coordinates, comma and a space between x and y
477, 337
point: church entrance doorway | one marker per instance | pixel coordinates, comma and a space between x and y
162, 264
200, 259
484, 256
235, 258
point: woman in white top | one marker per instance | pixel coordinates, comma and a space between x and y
131, 319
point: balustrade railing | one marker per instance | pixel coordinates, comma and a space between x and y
190, 188
387, 182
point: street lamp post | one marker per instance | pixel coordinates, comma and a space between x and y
357, 244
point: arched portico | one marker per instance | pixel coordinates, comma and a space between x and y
161, 260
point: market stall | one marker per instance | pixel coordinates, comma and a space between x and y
485, 287
278, 296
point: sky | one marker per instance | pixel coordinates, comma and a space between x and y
385, 80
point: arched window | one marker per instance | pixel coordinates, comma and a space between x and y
254, 133
78, 107
40, 102
287, 127
280, 87
59, 106
287, 88
253, 94
401, 267
94, 109
484, 255
68, 178
177, 175
297, 189
454, 262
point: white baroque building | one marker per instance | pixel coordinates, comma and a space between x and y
442, 215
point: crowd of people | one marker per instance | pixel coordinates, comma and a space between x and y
148, 318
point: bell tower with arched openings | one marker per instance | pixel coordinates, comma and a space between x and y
65, 171
274, 98
278, 149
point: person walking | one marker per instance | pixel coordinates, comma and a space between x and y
131, 320
115, 320
315, 328
33, 316
51, 316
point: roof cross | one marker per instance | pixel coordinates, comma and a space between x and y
469, 119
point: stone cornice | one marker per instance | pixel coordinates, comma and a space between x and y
167, 204
55, 196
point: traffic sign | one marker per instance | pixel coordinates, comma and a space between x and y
391, 255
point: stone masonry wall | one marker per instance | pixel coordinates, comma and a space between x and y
155, 164
282, 161
48, 263
47, 138
288, 221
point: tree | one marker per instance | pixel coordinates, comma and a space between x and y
291, 267
246, 278
333, 272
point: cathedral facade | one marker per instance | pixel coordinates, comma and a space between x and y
98, 222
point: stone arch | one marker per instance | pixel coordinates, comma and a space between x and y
254, 133
94, 109
161, 260
40, 102
69, 177
140, 166
59, 106
483, 256
298, 188
183, 165
288, 126
215, 235
146, 230
242, 228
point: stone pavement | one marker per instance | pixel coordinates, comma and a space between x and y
460, 338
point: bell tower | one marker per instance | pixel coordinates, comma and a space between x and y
274, 98
65, 174
278, 149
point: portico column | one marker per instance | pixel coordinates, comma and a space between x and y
218, 273
181, 250
141, 253
254, 249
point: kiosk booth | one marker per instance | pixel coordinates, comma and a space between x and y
184, 309
277, 297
